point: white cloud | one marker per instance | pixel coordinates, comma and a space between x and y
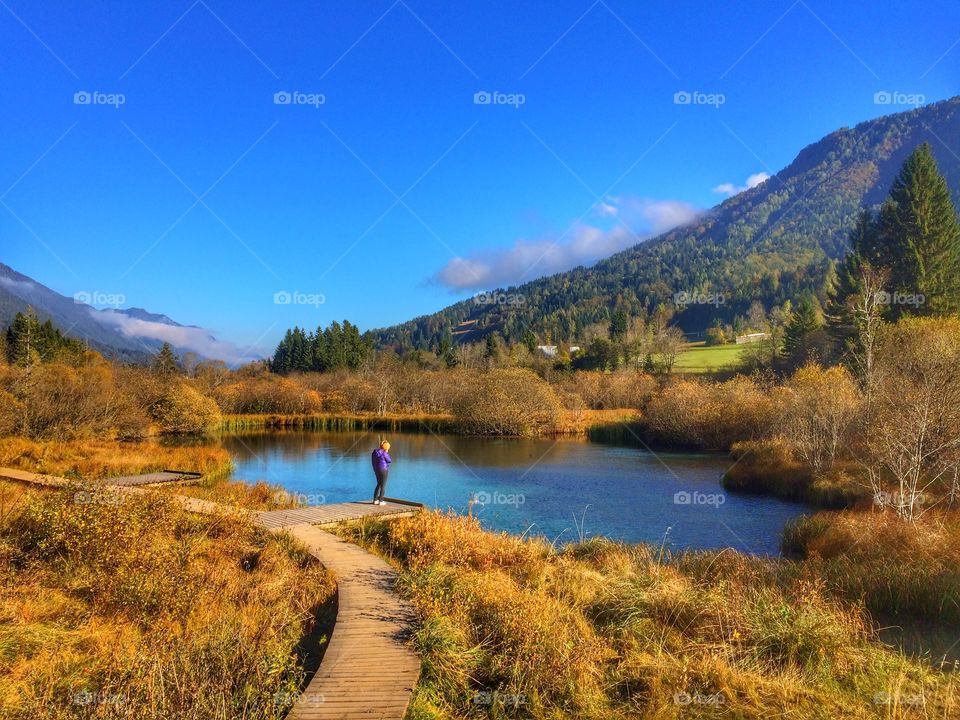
638, 220
181, 337
729, 189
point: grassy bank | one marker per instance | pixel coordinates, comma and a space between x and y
121, 607
905, 572
514, 627
339, 422
769, 467
579, 422
99, 459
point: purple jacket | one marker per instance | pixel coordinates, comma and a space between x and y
381, 459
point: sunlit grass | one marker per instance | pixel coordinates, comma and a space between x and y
126, 606
603, 630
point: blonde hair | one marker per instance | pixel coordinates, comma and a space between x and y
385, 445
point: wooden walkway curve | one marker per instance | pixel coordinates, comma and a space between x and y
368, 670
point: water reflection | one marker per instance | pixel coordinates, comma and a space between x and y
528, 485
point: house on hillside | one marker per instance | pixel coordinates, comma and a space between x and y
751, 337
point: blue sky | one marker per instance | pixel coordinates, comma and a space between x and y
201, 197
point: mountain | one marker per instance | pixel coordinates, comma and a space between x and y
128, 334
769, 243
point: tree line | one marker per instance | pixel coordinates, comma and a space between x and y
335, 347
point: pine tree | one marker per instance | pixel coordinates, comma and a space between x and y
23, 339
618, 326
919, 237
447, 353
849, 276
803, 322
165, 362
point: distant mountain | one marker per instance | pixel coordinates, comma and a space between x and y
769, 243
128, 334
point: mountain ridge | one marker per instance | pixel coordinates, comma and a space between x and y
770, 243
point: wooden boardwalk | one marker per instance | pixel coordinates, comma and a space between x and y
368, 670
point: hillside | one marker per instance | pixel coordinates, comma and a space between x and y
769, 243
113, 332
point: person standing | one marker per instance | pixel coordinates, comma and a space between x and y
381, 467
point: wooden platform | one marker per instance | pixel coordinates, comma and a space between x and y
334, 513
154, 478
369, 670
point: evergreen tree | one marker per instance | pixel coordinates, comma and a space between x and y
797, 339
165, 361
863, 253
919, 237
29, 341
23, 339
447, 353
618, 326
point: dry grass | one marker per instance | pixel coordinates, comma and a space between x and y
901, 570
99, 459
239, 494
127, 607
516, 628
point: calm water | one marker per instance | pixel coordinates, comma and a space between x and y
543, 487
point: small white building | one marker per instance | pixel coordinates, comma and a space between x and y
751, 337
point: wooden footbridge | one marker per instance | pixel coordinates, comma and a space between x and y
368, 670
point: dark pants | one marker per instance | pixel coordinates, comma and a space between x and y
381, 483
